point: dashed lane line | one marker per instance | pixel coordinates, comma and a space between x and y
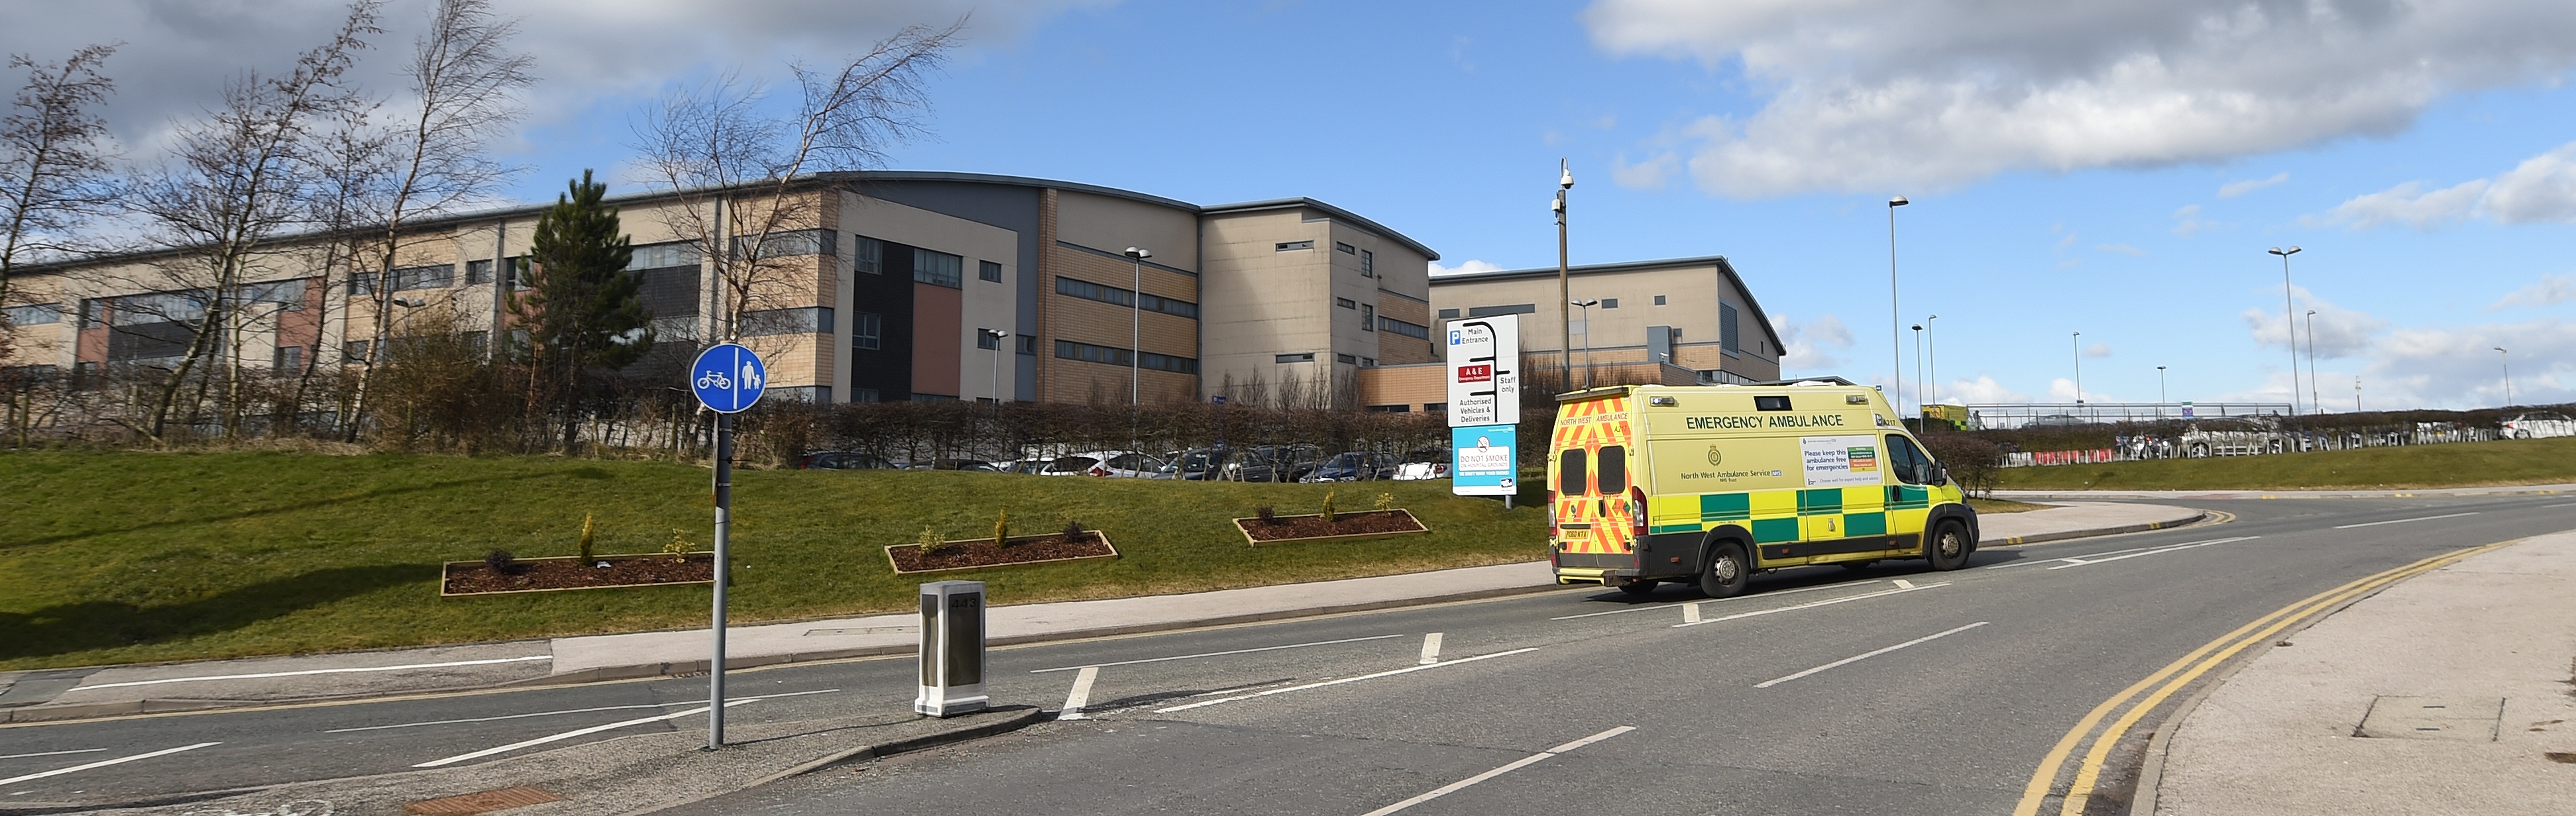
103, 763
1812, 605
2402, 521
1514, 765
1213, 654
1867, 655
581, 732
1390, 673
1645, 607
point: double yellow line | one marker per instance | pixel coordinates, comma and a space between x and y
2180, 673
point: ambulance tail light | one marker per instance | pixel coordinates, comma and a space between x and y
1637, 513
1553, 533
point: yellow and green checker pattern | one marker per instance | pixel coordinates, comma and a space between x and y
1785, 516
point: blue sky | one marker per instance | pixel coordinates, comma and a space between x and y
2115, 169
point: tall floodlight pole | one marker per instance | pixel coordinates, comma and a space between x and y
1932, 353
1920, 378
2313, 400
1895, 352
1564, 292
2505, 361
2289, 325
2160, 391
1136, 325
1587, 338
2078, 345
998, 336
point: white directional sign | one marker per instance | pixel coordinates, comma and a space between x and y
1485, 370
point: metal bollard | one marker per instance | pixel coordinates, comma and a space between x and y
952, 649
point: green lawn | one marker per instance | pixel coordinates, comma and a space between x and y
2467, 464
126, 557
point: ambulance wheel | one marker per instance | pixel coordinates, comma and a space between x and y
1948, 549
1727, 573
1640, 586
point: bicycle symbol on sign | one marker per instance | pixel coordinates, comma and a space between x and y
714, 379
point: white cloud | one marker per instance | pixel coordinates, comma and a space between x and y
2237, 188
2542, 189
2187, 221
2459, 367
1879, 94
1812, 343
2063, 390
1462, 268
2123, 249
2098, 350
2550, 290
1650, 174
1982, 390
2338, 332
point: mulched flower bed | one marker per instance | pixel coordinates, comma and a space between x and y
982, 553
1373, 522
468, 577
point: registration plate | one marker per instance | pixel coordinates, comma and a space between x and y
1575, 535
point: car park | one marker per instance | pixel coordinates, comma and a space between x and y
1115, 464
843, 460
2542, 425
1354, 466
1423, 464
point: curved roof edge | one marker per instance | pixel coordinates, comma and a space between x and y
1724, 267
865, 176
1333, 211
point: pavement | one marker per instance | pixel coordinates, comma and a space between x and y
141, 689
2381, 493
2449, 692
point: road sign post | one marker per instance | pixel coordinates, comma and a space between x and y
1484, 362
728, 379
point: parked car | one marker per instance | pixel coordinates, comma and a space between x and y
1354, 466
1025, 466
1428, 463
843, 460
1273, 463
1115, 464
1198, 464
2539, 426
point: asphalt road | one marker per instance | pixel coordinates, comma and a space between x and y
1885, 690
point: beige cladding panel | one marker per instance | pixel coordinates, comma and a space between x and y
1114, 224
1122, 273
1105, 324
1261, 302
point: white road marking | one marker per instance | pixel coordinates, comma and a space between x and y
318, 671
1904, 584
1352, 679
52, 753
2547, 506
1080, 695
1867, 655
1430, 648
1515, 765
1828, 602
1690, 612
2078, 562
103, 763
1708, 600
545, 714
579, 732
2402, 521
1213, 654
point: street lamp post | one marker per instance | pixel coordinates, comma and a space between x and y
2289, 324
1895, 352
2504, 360
2077, 343
2314, 401
1932, 353
1564, 293
1136, 325
998, 336
1920, 379
1587, 337
2160, 391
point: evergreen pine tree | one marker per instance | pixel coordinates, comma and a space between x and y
580, 308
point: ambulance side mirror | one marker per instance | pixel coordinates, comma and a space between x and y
1940, 473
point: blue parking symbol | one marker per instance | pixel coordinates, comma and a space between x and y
1457, 337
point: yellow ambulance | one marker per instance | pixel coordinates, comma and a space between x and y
1653, 483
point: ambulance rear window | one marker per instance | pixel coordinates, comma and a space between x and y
1569, 473
1779, 403
1613, 471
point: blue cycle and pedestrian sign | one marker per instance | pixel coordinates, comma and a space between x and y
728, 378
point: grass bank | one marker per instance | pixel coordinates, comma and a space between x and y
2466, 464
127, 557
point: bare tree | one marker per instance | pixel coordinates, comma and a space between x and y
55, 159
736, 170
240, 178
464, 79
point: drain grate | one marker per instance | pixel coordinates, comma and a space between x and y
484, 802
2470, 719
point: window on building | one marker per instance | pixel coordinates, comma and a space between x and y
1346, 359
354, 351
863, 395
1609, 303
1029, 344
478, 272
988, 271
984, 339
1368, 264
1368, 318
864, 328
669, 254
1109, 355
1659, 300
938, 268
1291, 246
475, 341
1413, 330
85, 369
1435, 407
1346, 303
437, 276
287, 358
768, 322
1448, 314
1489, 311
33, 315
285, 295
1391, 409
1343, 248
870, 259
1307, 357
1368, 362
516, 267
93, 313
782, 244
1076, 287
1726, 329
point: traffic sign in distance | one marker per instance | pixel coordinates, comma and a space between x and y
728, 378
